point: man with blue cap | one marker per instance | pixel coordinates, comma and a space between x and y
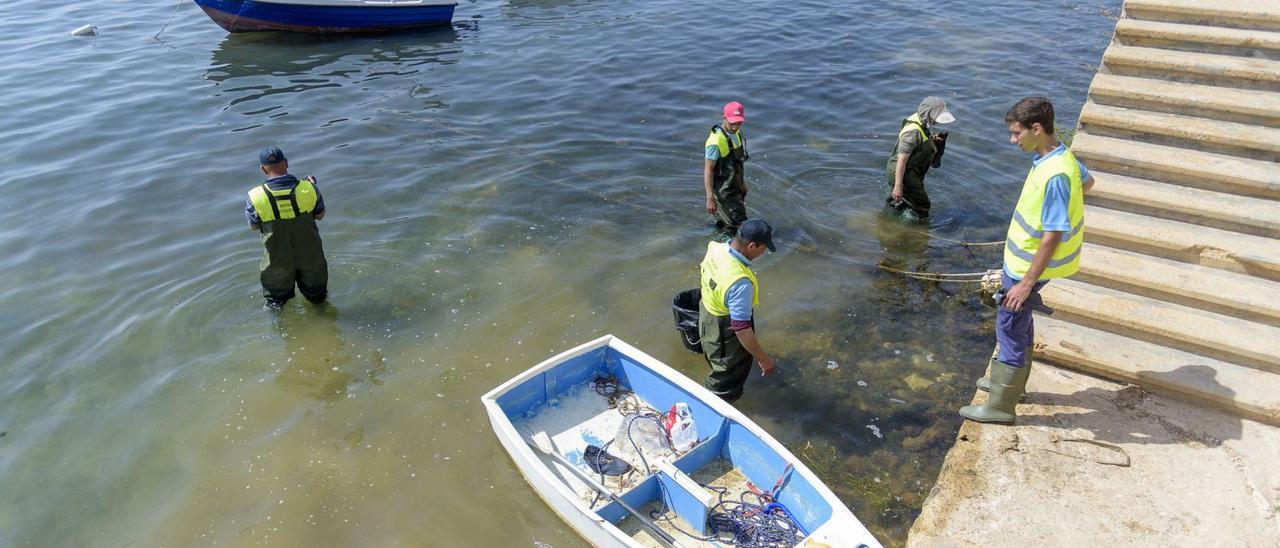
726, 316
284, 210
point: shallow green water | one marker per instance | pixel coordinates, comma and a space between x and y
499, 191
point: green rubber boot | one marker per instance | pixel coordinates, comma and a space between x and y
984, 384
1007, 385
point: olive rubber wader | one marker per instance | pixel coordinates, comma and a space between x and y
293, 254
730, 362
729, 188
918, 164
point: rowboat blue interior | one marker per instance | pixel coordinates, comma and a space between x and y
719, 437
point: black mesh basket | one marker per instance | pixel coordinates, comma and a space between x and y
685, 309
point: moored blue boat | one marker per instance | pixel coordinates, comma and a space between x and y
327, 16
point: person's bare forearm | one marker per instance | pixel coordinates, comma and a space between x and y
708, 170
900, 171
1047, 246
748, 339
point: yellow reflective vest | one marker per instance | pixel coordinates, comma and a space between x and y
721, 141
720, 269
913, 124
1026, 229
272, 205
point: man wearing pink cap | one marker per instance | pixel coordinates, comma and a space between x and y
725, 154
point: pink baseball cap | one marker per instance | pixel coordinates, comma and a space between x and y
733, 112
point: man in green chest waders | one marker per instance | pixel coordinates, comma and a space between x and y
725, 155
285, 210
726, 315
916, 150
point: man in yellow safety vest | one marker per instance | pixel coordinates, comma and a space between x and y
725, 155
726, 316
1044, 241
285, 210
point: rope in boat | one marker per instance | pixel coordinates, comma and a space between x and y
760, 524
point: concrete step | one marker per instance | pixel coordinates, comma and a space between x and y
1212, 247
1237, 389
1202, 38
1184, 66
1237, 295
1245, 14
1256, 216
1217, 103
1214, 335
1206, 170
1247, 140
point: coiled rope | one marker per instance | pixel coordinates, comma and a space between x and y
760, 524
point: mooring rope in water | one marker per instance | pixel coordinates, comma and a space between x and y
176, 5
989, 279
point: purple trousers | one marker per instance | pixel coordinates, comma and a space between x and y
1015, 331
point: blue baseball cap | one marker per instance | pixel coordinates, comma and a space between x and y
758, 231
271, 155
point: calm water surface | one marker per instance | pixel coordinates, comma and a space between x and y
498, 191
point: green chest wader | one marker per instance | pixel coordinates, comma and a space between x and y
729, 187
918, 164
729, 360
293, 255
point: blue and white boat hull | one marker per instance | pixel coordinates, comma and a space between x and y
327, 16
555, 398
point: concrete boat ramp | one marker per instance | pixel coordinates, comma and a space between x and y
1171, 436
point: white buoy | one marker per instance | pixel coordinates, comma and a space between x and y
87, 30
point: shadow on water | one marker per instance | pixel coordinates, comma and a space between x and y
318, 355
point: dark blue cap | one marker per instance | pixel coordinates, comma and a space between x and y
271, 155
758, 231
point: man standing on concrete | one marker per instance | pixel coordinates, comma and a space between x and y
725, 154
285, 210
916, 150
1044, 241
726, 317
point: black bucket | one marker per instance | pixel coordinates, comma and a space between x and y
685, 308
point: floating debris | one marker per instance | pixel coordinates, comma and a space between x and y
875, 430
928, 357
87, 30
831, 364
862, 383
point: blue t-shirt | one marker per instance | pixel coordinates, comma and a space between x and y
713, 152
741, 295
283, 182
1057, 195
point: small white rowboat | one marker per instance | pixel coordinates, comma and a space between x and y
547, 416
